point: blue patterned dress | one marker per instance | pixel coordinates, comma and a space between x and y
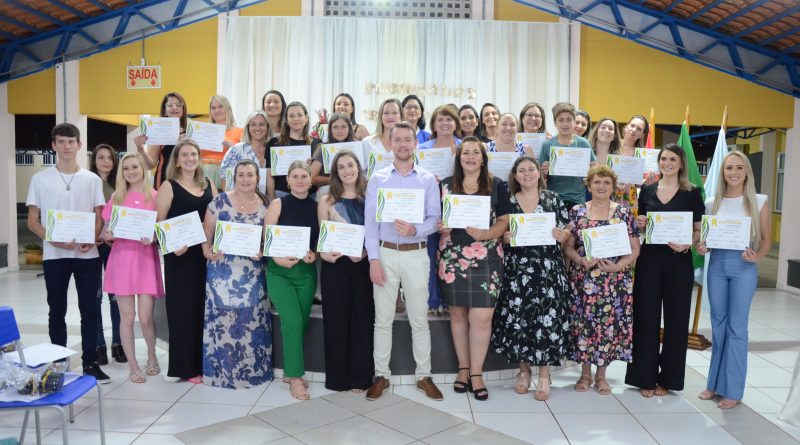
237, 339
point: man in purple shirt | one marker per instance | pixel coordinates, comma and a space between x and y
398, 255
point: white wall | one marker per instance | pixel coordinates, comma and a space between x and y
790, 242
8, 203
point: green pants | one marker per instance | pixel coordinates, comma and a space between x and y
292, 293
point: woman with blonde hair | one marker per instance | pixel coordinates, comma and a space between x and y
220, 113
253, 147
733, 278
389, 113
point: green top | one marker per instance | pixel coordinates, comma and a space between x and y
107, 190
569, 188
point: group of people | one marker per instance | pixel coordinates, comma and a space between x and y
534, 305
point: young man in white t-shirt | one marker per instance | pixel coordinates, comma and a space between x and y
67, 186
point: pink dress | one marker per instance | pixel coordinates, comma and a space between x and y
133, 268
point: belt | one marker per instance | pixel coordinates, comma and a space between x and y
404, 247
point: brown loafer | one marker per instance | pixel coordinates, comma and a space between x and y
379, 386
427, 386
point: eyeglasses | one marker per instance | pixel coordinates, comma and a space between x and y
174, 105
533, 116
411, 107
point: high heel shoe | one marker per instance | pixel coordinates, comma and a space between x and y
460, 386
479, 393
542, 394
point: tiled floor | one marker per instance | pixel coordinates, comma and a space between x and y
174, 413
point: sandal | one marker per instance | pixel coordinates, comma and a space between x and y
152, 369
197, 380
707, 395
479, 393
542, 394
726, 403
297, 387
583, 383
138, 377
289, 380
647, 393
661, 391
461, 386
523, 384
601, 386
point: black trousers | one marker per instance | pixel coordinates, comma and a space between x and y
348, 313
662, 278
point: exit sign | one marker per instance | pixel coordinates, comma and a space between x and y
143, 77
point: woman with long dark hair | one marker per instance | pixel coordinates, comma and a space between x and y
344, 104
157, 156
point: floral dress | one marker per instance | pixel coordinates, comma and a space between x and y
237, 339
470, 272
602, 305
531, 321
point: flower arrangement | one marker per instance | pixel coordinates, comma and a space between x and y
321, 127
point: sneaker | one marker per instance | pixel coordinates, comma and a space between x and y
102, 356
379, 386
118, 353
95, 371
427, 386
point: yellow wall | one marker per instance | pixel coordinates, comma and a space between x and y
34, 94
780, 146
512, 11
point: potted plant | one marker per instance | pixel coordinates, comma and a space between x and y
33, 253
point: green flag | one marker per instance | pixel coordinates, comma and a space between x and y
685, 142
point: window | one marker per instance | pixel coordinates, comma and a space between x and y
779, 182
457, 9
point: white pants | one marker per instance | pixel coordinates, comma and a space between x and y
411, 268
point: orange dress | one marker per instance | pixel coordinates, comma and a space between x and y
212, 159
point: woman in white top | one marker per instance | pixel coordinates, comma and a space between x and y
389, 114
732, 279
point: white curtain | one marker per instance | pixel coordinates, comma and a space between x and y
312, 59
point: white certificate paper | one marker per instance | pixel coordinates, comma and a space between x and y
462, 211
725, 232
232, 238
629, 169
570, 161
347, 239
666, 227
286, 241
160, 130
404, 204
132, 224
532, 140
183, 230
378, 159
64, 226
282, 157
438, 161
606, 241
500, 163
330, 150
207, 135
650, 156
532, 229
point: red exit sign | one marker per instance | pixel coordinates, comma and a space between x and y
143, 77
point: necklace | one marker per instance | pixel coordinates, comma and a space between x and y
244, 205
66, 184
470, 187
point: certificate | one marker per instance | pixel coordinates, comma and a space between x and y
650, 156
347, 239
404, 204
378, 159
183, 230
282, 157
330, 150
160, 130
532, 229
532, 140
606, 241
725, 232
233, 238
570, 161
462, 211
500, 163
286, 241
132, 224
629, 169
207, 135
438, 161
665, 227
64, 226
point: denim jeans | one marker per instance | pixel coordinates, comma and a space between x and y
57, 275
105, 250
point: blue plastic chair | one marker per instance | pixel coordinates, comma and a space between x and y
9, 333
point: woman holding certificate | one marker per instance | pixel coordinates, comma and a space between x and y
185, 191
339, 130
274, 105
633, 135
664, 276
134, 268
468, 118
220, 113
506, 138
601, 280
344, 104
157, 156
733, 273
490, 115
530, 323
292, 281
604, 139
471, 262
237, 340
389, 113
294, 132
253, 147
348, 309
532, 119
